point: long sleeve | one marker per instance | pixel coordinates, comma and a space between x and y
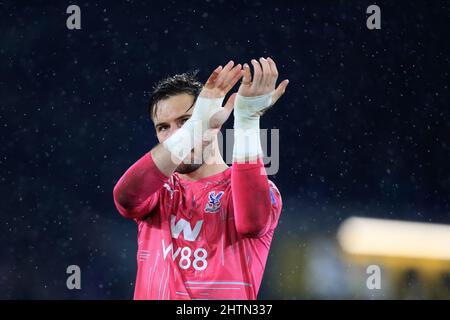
256, 201
137, 191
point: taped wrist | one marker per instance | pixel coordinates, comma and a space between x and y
247, 111
181, 143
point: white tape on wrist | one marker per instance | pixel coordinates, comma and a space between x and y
204, 108
247, 110
181, 143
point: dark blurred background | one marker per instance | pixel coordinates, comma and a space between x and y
364, 129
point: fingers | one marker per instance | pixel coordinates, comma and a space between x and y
213, 77
218, 118
230, 102
267, 73
279, 91
257, 73
273, 69
224, 73
247, 75
273, 66
233, 76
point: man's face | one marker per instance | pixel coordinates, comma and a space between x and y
171, 114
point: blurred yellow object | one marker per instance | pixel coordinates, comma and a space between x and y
393, 238
414, 255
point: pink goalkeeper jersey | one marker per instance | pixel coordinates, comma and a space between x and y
189, 248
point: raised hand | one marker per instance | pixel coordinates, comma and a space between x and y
221, 81
217, 86
265, 75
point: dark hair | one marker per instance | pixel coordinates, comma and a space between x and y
171, 86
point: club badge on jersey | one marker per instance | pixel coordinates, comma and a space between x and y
213, 205
272, 197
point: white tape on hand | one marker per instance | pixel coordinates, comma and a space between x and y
247, 111
181, 143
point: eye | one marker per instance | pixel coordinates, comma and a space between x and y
162, 128
182, 121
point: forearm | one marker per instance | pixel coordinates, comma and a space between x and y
149, 174
164, 160
138, 183
255, 204
247, 142
250, 186
251, 197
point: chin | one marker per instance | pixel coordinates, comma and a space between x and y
188, 166
184, 168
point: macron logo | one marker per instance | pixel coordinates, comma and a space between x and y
185, 226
